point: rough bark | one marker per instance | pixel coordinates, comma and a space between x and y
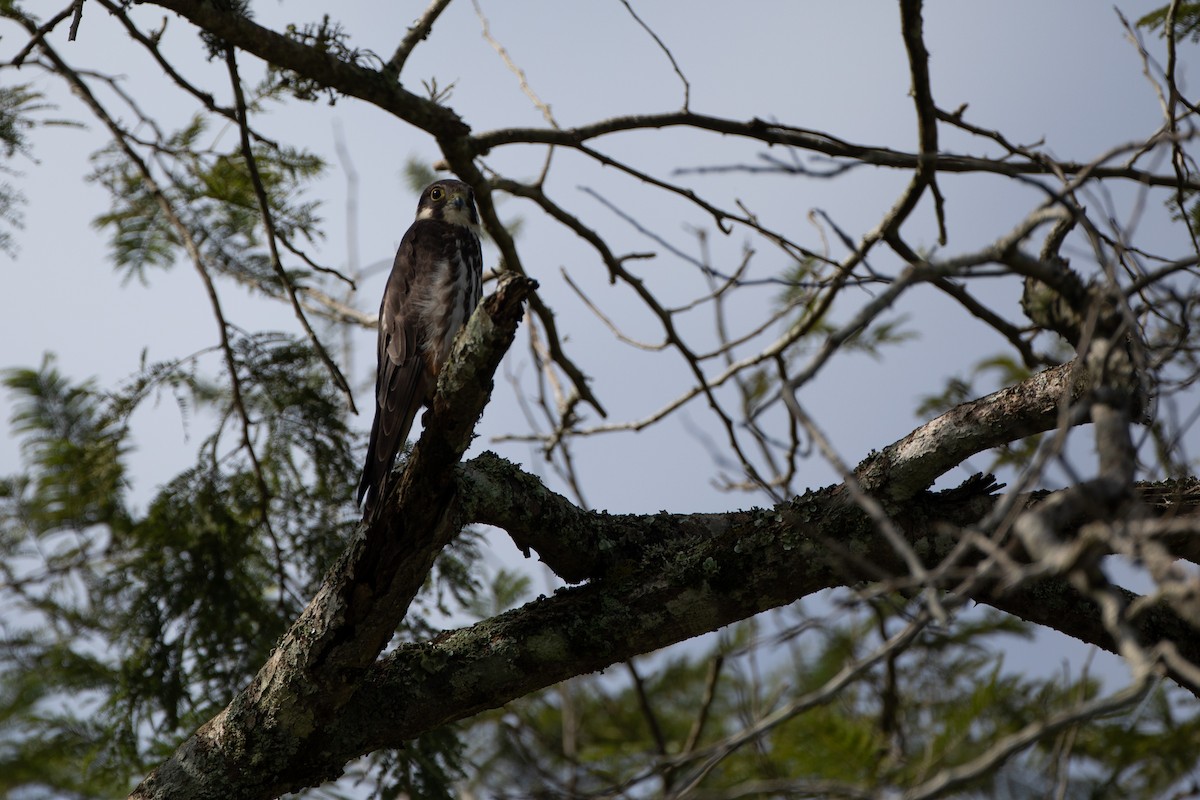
255, 745
912, 464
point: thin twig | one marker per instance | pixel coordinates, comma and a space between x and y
415, 35
264, 206
687, 87
40, 33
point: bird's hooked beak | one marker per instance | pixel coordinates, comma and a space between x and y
464, 209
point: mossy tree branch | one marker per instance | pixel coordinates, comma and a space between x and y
264, 734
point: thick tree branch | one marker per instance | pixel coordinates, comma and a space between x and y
378, 88
674, 577
501, 495
264, 734
912, 464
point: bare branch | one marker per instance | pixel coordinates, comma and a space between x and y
40, 33
687, 87
512, 66
415, 35
911, 26
773, 133
264, 208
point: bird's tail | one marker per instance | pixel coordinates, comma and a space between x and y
389, 432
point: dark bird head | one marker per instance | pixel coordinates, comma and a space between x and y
449, 201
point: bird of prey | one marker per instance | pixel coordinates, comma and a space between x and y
435, 284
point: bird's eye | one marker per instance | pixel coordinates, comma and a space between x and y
436, 193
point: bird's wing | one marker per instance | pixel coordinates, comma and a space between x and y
402, 381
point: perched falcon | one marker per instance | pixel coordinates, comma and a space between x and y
435, 284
